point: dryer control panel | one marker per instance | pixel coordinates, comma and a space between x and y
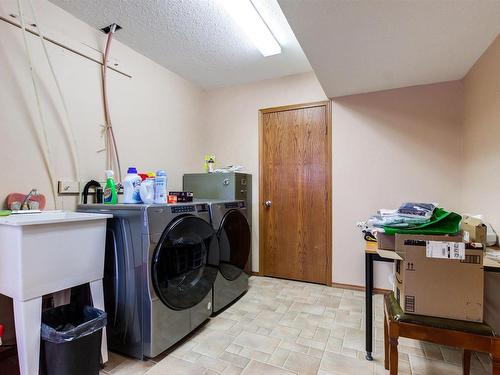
239, 204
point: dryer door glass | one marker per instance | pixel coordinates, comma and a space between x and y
234, 243
185, 263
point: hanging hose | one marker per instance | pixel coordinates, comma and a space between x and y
68, 129
110, 141
42, 143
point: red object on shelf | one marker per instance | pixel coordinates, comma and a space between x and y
1, 333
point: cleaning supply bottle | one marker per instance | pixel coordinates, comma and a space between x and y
147, 189
110, 196
131, 186
161, 187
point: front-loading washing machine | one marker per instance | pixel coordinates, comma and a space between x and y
229, 220
160, 266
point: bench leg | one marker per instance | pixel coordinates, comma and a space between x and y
496, 366
386, 343
393, 335
466, 361
393, 367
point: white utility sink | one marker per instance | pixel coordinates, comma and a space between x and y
49, 217
43, 253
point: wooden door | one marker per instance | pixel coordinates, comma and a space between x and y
295, 192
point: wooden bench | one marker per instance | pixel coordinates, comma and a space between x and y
472, 337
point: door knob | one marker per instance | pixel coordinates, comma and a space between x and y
268, 203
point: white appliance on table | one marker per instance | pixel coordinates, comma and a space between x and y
44, 253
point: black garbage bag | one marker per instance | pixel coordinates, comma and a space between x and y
68, 322
71, 340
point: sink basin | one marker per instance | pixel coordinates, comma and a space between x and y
46, 252
49, 217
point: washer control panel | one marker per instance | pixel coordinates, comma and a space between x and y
183, 209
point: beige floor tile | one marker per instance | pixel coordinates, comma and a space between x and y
452, 355
132, 367
255, 354
432, 351
214, 344
279, 357
422, 366
302, 364
308, 308
348, 352
329, 301
221, 323
280, 331
342, 365
259, 368
175, 366
268, 319
311, 343
217, 365
114, 360
232, 370
313, 352
355, 338
263, 343
235, 359
334, 344
411, 350
293, 346
233, 348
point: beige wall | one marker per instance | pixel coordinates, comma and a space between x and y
156, 114
390, 147
413, 133
481, 167
231, 121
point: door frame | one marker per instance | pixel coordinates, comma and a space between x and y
328, 224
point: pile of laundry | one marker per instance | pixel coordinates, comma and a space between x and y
411, 218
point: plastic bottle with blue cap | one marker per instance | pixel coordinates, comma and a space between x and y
131, 186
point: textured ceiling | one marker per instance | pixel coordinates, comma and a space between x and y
195, 38
370, 45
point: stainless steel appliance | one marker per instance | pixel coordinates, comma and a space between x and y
223, 186
161, 263
229, 219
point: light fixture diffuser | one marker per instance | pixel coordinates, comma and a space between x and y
250, 21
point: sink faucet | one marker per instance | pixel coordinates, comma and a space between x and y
24, 204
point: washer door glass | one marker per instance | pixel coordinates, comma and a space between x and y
234, 244
185, 263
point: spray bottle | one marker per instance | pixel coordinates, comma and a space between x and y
110, 196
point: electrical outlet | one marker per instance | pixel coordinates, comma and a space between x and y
68, 187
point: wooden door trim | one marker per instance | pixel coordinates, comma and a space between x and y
329, 252
294, 106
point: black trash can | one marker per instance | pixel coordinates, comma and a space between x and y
71, 340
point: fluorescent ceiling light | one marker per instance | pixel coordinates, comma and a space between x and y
249, 19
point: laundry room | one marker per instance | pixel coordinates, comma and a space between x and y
249, 187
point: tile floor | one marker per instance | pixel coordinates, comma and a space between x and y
285, 327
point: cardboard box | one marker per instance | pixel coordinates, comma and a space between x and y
446, 288
386, 241
474, 230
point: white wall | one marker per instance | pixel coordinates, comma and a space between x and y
388, 147
156, 114
231, 122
